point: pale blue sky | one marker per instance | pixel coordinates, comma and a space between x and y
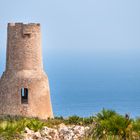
88, 45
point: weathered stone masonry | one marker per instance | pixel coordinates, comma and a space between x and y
24, 87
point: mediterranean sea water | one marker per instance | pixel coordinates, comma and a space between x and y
91, 103
109, 82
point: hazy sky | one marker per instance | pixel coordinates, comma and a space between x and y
87, 44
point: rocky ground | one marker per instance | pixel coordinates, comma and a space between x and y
62, 132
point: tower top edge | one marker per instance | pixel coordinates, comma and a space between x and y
23, 24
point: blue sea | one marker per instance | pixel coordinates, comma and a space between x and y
110, 82
91, 103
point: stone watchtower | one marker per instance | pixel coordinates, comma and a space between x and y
24, 87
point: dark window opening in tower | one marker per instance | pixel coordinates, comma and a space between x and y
24, 95
26, 35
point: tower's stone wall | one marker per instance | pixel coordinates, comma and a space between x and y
24, 69
24, 47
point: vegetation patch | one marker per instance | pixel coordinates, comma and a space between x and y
107, 124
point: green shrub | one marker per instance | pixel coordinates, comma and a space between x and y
88, 120
136, 125
109, 123
58, 118
74, 120
35, 124
11, 129
54, 122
